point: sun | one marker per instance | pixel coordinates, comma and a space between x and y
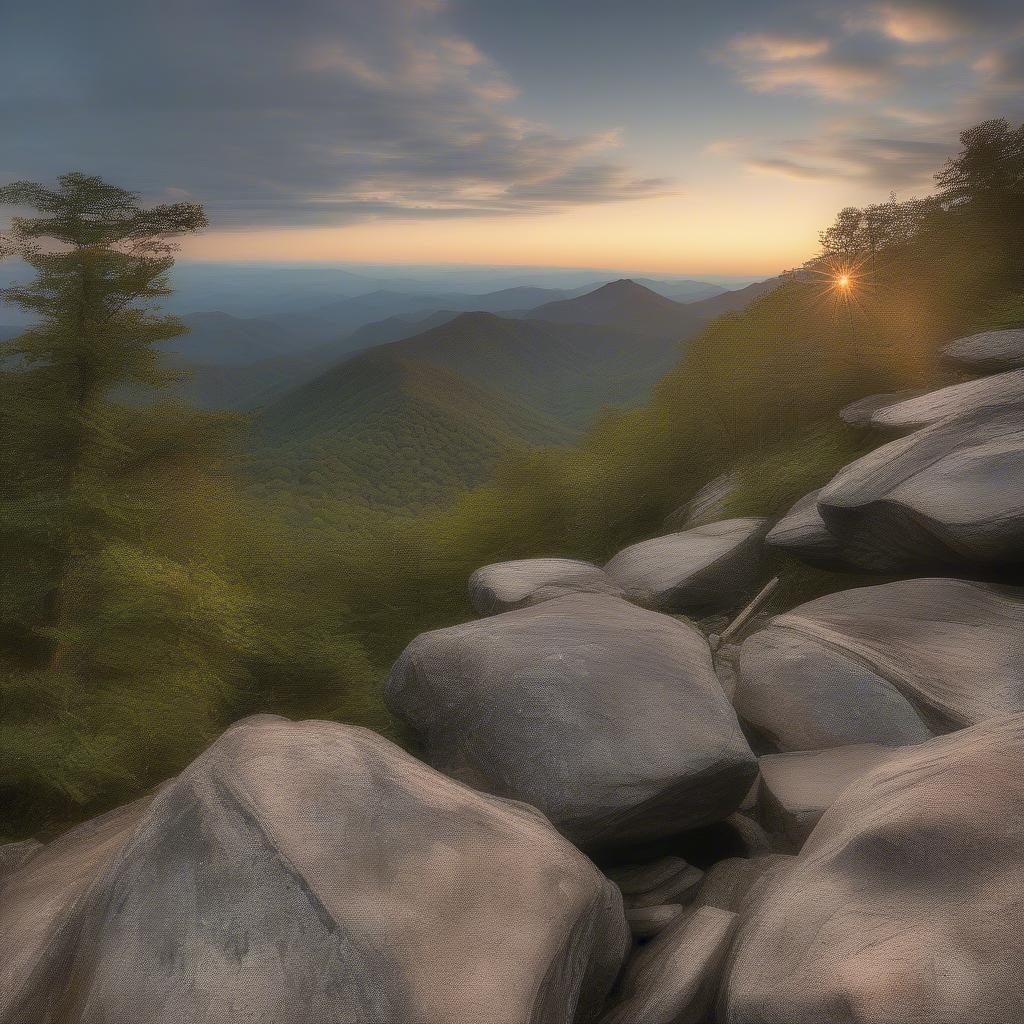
843, 281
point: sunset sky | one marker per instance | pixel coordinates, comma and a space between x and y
657, 134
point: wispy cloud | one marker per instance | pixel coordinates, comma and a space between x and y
311, 112
908, 76
928, 21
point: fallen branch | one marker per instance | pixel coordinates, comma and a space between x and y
741, 620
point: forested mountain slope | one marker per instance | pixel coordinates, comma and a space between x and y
387, 431
499, 383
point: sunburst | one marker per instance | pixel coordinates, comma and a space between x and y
844, 283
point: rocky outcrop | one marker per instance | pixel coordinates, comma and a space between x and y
665, 881
989, 351
608, 718
955, 400
948, 498
310, 873
505, 586
892, 665
797, 788
673, 979
801, 532
904, 904
708, 568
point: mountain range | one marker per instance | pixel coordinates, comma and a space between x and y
407, 409
375, 428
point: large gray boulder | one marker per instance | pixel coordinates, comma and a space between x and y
608, 718
708, 568
947, 498
504, 586
892, 665
989, 351
924, 410
312, 873
801, 532
904, 904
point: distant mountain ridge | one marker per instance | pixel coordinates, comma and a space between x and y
623, 304
369, 429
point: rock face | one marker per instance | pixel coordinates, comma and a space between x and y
801, 532
922, 411
673, 979
607, 717
949, 497
892, 665
505, 586
316, 873
799, 787
705, 569
990, 351
37, 905
905, 903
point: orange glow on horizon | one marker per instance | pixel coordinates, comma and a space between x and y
755, 232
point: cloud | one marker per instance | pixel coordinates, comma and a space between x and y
311, 112
789, 169
845, 80
768, 63
770, 48
909, 75
878, 161
931, 21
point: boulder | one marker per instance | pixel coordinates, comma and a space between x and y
311, 873
860, 412
674, 978
989, 351
904, 904
798, 787
729, 883
504, 586
892, 665
704, 569
608, 718
801, 532
706, 506
38, 901
646, 922
924, 410
947, 498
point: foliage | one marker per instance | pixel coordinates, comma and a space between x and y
130, 631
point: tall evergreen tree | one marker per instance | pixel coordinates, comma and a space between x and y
119, 638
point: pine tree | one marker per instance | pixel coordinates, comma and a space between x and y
119, 637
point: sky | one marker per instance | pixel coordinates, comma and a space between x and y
663, 135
